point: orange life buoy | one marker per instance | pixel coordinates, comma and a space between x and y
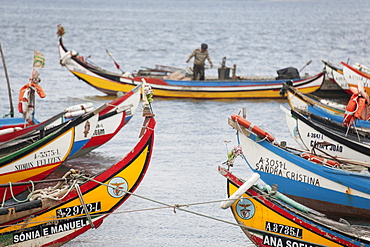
361, 107
255, 129
320, 160
23, 98
351, 108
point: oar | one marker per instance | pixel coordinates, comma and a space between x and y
308, 63
7, 79
115, 63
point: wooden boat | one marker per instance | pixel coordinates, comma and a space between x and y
331, 189
357, 74
9, 135
37, 154
326, 137
110, 83
270, 219
82, 203
109, 122
299, 100
324, 108
335, 74
112, 119
83, 132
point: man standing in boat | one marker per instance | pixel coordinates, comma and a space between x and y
200, 56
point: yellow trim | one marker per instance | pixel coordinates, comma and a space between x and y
114, 86
25, 175
104, 83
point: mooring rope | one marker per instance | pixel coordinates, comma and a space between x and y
165, 205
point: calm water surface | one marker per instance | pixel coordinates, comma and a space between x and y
260, 37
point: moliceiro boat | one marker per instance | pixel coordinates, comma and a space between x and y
335, 74
317, 183
355, 113
110, 120
326, 137
357, 74
36, 154
78, 202
110, 83
270, 219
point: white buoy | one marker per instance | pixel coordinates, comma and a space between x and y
9, 130
78, 113
239, 192
79, 107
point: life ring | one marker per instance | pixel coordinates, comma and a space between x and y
351, 108
255, 129
25, 105
360, 109
356, 108
320, 160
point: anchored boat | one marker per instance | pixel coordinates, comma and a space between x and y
270, 219
78, 202
232, 88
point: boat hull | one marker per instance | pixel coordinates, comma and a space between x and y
299, 177
353, 76
65, 219
111, 120
310, 134
268, 222
336, 75
35, 157
111, 83
334, 112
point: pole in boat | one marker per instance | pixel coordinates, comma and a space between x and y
308, 63
7, 80
115, 63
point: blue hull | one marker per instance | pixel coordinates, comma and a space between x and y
320, 187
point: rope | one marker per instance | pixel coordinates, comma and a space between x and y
263, 139
6, 190
61, 188
29, 195
166, 206
9, 114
